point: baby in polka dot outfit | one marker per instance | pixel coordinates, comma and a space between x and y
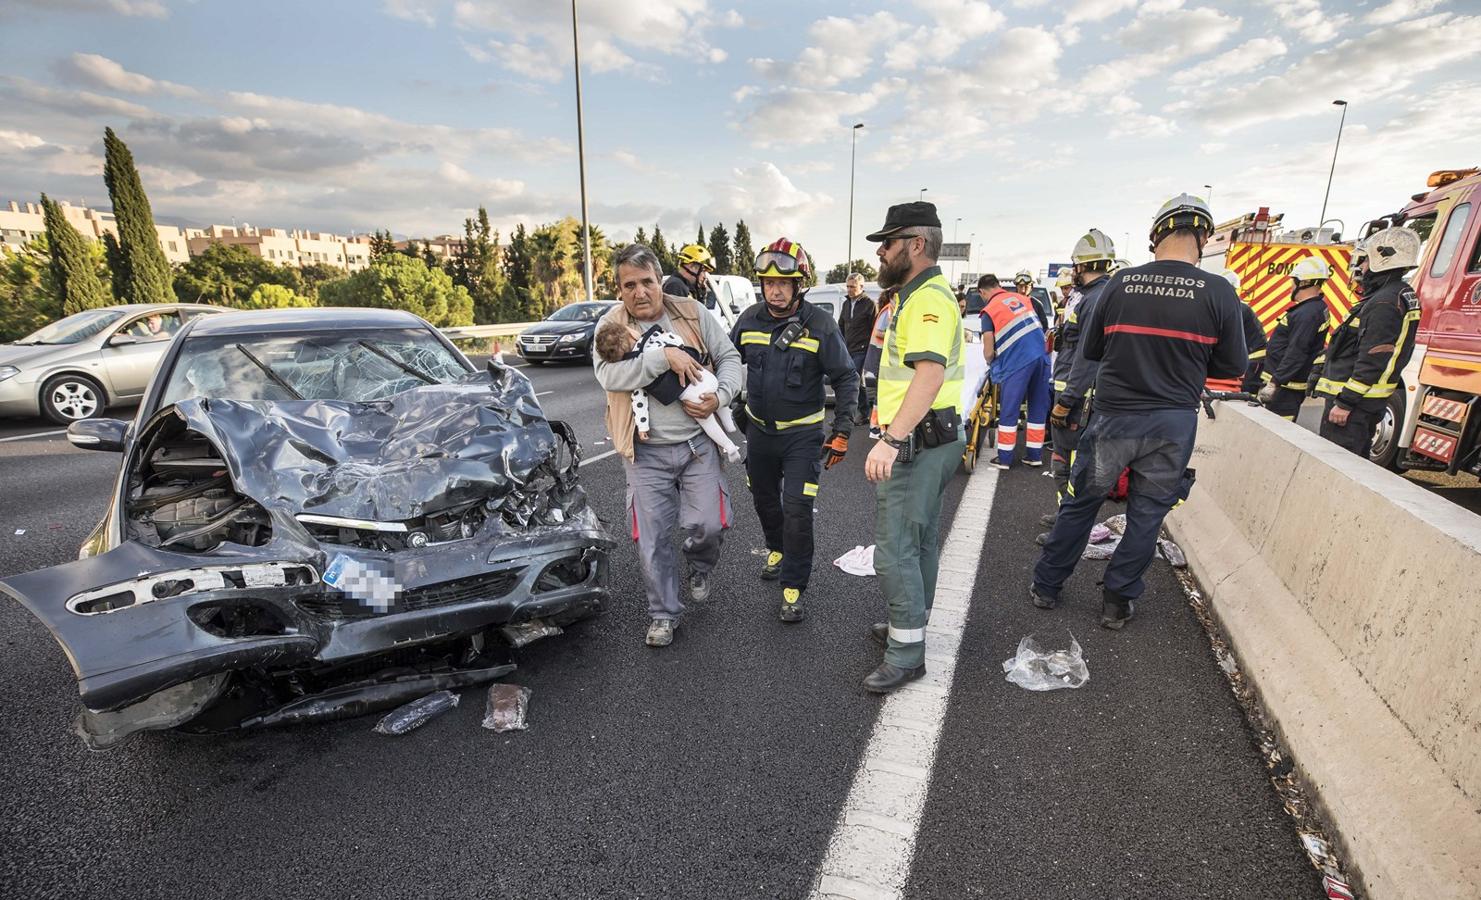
614, 343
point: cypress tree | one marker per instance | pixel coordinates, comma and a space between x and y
71, 262
118, 266
745, 257
148, 272
720, 249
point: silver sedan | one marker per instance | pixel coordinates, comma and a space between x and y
76, 367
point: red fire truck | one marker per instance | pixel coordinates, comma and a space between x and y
1434, 421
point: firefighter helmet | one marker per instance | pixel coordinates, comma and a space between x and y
1311, 268
782, 259
1392, 248
1024, 276
1094, 247
1182, 211
697, 254
1232, 277
1065, 279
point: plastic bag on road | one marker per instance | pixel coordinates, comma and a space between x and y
1099, 533
1101, 551
1034, 668
507, 707
1172, 553
858, 561
417, 713
528, 632
1116, 523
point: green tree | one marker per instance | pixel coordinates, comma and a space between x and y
147, 278
550, 260
381, 244
700, 239
518, 270
396, 281
745, 256
811, 278
662, 250
118, 267
29, 295
429, 257
720, 250
275, 296
315, 276
642, 237
74, 262
839, 273
228, 273
478, 269
411, 249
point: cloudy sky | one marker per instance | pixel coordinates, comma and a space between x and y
1029, 120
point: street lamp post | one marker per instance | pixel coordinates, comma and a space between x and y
852, 149
954, 229
1208, 196
581, 158
922, 194
1335, 148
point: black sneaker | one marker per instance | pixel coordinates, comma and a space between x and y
1042, 601
699, 587
1048, 519
1116, 612
1042, 539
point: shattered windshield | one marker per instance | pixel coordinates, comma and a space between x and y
358, 365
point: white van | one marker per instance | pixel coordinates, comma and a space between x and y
733, 295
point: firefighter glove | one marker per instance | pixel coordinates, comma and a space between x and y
1267, 393
834, 449
1059, 417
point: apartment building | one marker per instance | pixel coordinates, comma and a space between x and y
20, 222
444, 246
288, 247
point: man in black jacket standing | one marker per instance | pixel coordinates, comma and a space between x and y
856, 321
1159, 331
1370, 348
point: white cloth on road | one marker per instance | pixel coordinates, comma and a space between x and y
858, 561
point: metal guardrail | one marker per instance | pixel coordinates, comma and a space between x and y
508, 329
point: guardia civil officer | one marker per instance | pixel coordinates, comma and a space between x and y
1298, 338
1074, 377
1159, 331
1373, 344
789, 348
920, 388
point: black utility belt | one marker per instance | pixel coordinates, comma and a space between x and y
939, 427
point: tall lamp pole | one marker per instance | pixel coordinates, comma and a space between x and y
581, 157
922, 195
956, 227
1335, 147
852, 149
1208, 196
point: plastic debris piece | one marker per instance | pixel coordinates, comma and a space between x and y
1227, 662
1116, 523
1316, 848
529, 632
508, 705
858, 561
1337, 889
1099, 534
416, 713
1101, 551
20, 531
1172, 553
1035, 669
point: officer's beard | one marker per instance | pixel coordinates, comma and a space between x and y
892, 272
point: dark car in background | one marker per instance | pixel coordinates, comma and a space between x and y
318, 513
565, 333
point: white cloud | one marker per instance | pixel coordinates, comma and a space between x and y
423, 12
101, 72
631, 160
20, 140
1399, 10
955, 24
839, 50
1095, 10
1165, 35
150, 9
794, 116
1362, 70
766, 198
1306, 20
1247, 57
69, 102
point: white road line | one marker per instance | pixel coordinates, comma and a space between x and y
543, 393
874, 841
600, 456
27, 437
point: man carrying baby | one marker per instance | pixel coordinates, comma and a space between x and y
790, 348
674, 477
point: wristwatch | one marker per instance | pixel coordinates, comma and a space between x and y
897, 443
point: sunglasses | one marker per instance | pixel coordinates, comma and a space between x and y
902, 237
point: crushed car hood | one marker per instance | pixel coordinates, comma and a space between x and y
420, 451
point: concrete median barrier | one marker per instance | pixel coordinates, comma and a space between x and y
1352, 599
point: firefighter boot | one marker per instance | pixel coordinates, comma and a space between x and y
773, 567
1115, 610
792, 610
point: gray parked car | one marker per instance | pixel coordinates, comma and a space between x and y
76, 367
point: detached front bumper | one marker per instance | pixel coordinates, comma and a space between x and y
137, 620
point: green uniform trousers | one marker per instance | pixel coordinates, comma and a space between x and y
907, 525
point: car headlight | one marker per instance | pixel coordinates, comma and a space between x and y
572, 338
8, 372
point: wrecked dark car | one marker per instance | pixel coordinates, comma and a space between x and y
320, 513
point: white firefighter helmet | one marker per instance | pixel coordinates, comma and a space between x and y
1392, 248
1024, 275
1182, 211
1232, 277
1311, 268
1066, 278
1094, 247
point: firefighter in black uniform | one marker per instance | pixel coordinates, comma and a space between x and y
1298, 338
1370, 348
789, 347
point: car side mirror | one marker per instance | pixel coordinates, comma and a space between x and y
98, 434
122, 340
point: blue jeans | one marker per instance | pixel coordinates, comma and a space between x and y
1156, 446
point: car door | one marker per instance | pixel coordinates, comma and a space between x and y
131, 354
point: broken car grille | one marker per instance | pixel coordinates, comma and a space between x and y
333, 605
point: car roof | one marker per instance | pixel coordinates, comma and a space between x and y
316, 319
146, 307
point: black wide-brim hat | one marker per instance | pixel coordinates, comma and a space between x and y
918, 214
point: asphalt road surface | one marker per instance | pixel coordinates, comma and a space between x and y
717, 767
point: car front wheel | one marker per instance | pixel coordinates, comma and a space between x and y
71, 398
